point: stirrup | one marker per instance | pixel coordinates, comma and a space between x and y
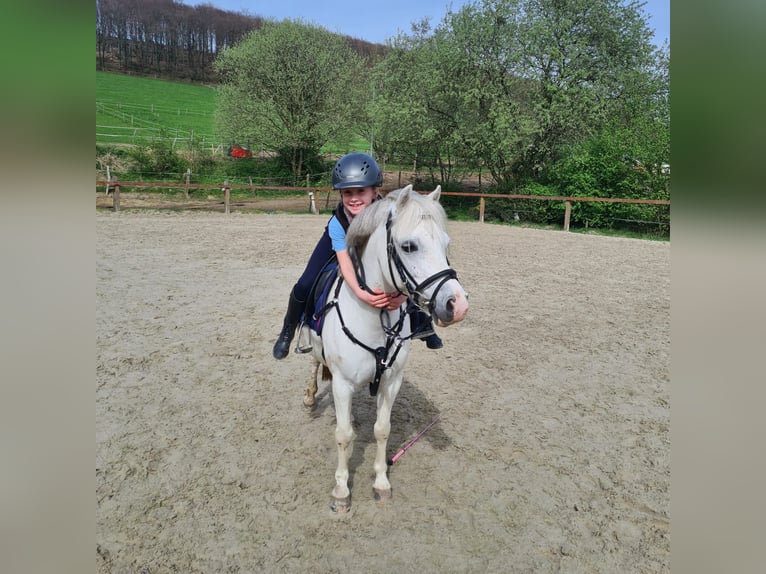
301, 348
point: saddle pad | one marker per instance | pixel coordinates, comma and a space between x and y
320, 295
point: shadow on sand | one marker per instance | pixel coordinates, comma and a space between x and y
411, 413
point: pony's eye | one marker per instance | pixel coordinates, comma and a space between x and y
409, 247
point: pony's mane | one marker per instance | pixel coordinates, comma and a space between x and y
408, 215
364, 224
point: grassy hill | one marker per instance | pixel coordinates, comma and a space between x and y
135, 110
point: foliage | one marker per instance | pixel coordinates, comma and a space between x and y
116, 159
625, 161
510, 84
157, 157
200, 159
158, 163
289, 87
406, 117
167, 38
612, 163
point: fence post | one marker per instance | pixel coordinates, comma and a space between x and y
116, 195
250, 179
312, 205
226, 196
481, 210
186, 186
108, 179
567, 214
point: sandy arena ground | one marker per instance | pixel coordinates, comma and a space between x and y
552, 454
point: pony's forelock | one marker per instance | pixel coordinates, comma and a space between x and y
417, 209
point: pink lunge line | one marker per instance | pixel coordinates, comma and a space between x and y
409, 444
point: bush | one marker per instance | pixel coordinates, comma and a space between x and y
115, 158
157, 160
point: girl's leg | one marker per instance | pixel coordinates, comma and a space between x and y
300, 292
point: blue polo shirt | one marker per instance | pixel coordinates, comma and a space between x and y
337, 234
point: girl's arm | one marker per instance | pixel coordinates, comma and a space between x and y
376, 298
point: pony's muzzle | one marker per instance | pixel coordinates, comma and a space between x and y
452, 308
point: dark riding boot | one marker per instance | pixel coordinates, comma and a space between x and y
423, 328
433, 341
292, 317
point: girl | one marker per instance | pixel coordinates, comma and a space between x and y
357, 177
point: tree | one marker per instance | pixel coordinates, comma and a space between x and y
627, 156
509, 84
418, 107
165, 37
290, 88
482, 51
403, 128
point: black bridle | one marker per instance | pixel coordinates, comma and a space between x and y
415, 291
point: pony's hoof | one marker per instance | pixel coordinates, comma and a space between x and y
341, 505
381, 495
309, 401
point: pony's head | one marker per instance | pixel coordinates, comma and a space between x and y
416, 250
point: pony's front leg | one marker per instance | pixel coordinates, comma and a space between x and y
344, 436
386, 396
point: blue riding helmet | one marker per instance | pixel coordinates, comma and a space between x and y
356, 170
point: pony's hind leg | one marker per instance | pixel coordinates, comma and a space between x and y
386, 396
309, 399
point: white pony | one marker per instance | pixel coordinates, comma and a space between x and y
398, 243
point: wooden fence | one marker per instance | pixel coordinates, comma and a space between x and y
114, 186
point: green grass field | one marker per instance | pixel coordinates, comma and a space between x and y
135, 110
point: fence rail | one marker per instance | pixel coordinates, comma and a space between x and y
115, 185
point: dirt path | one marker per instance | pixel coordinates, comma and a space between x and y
552, 454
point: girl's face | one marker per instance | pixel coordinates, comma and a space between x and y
355, 199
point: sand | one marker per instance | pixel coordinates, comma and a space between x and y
552, 454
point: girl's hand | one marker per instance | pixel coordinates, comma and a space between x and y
375, 299
395, 301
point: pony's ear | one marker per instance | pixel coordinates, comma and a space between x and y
436, 193
404, 196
